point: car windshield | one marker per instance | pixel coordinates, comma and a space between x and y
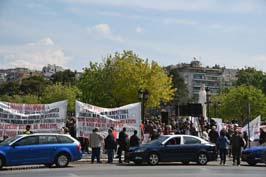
159, 140
9, 140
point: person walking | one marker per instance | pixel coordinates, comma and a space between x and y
95, 143
122, 142
134, 139
237, 143
222, 143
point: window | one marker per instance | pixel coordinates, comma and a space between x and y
191, 140
64, 139
47, 139
173, 141
32, 140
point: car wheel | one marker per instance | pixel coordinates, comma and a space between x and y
202, 159
185, 162
153, 159
1, 162
62, 160
251, 162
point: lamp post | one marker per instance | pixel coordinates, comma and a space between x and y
143, 96
208, 102
216, 106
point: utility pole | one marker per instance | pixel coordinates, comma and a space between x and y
248, 115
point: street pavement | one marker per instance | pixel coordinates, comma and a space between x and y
86, 169
86, 159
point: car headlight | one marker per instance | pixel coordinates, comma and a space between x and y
140, 150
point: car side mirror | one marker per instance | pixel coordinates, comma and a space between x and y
13, 145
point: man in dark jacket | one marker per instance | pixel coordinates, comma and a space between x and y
122, 141
110, 145
134, 139
213, 135
237, 142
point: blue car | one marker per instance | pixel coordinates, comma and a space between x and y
41, 148
174, 148
254, 155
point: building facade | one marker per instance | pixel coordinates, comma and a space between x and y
195, 75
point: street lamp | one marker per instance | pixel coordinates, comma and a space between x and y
208, 102
143, 96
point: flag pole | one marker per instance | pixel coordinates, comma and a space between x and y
248, 125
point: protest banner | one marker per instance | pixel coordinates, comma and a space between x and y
41, 117
253, 129
89, 117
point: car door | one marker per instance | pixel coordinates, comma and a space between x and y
22, 151
47, 147
170, 150
190, 147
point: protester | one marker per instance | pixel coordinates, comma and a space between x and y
122, 141
229, 134
95, 143
134, 139
71, 125
64, 130
223, 143
213, 135
28, 131
262, 139
110, 144
237, 142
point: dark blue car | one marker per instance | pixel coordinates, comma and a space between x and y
42, 148
174, 148
254, 155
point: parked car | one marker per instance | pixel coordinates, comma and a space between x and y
41, 148
254, 155
174, 148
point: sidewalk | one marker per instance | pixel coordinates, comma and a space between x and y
87, 158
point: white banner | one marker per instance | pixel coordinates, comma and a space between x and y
254, 128
89, 117
41, 117
219, 124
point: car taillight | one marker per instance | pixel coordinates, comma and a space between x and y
79, 146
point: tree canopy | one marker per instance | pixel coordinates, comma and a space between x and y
234, 104
181, 93
65, 77
250, 76
117, 80
59, 92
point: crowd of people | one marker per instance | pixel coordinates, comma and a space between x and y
229, 141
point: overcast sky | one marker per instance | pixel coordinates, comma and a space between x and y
71, 33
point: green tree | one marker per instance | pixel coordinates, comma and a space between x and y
66, 77
234, 104
33, 85
181, 94
250, 76
59, 92
118, 79
10, 88
27, 99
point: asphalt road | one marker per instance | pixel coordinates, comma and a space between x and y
85, 169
